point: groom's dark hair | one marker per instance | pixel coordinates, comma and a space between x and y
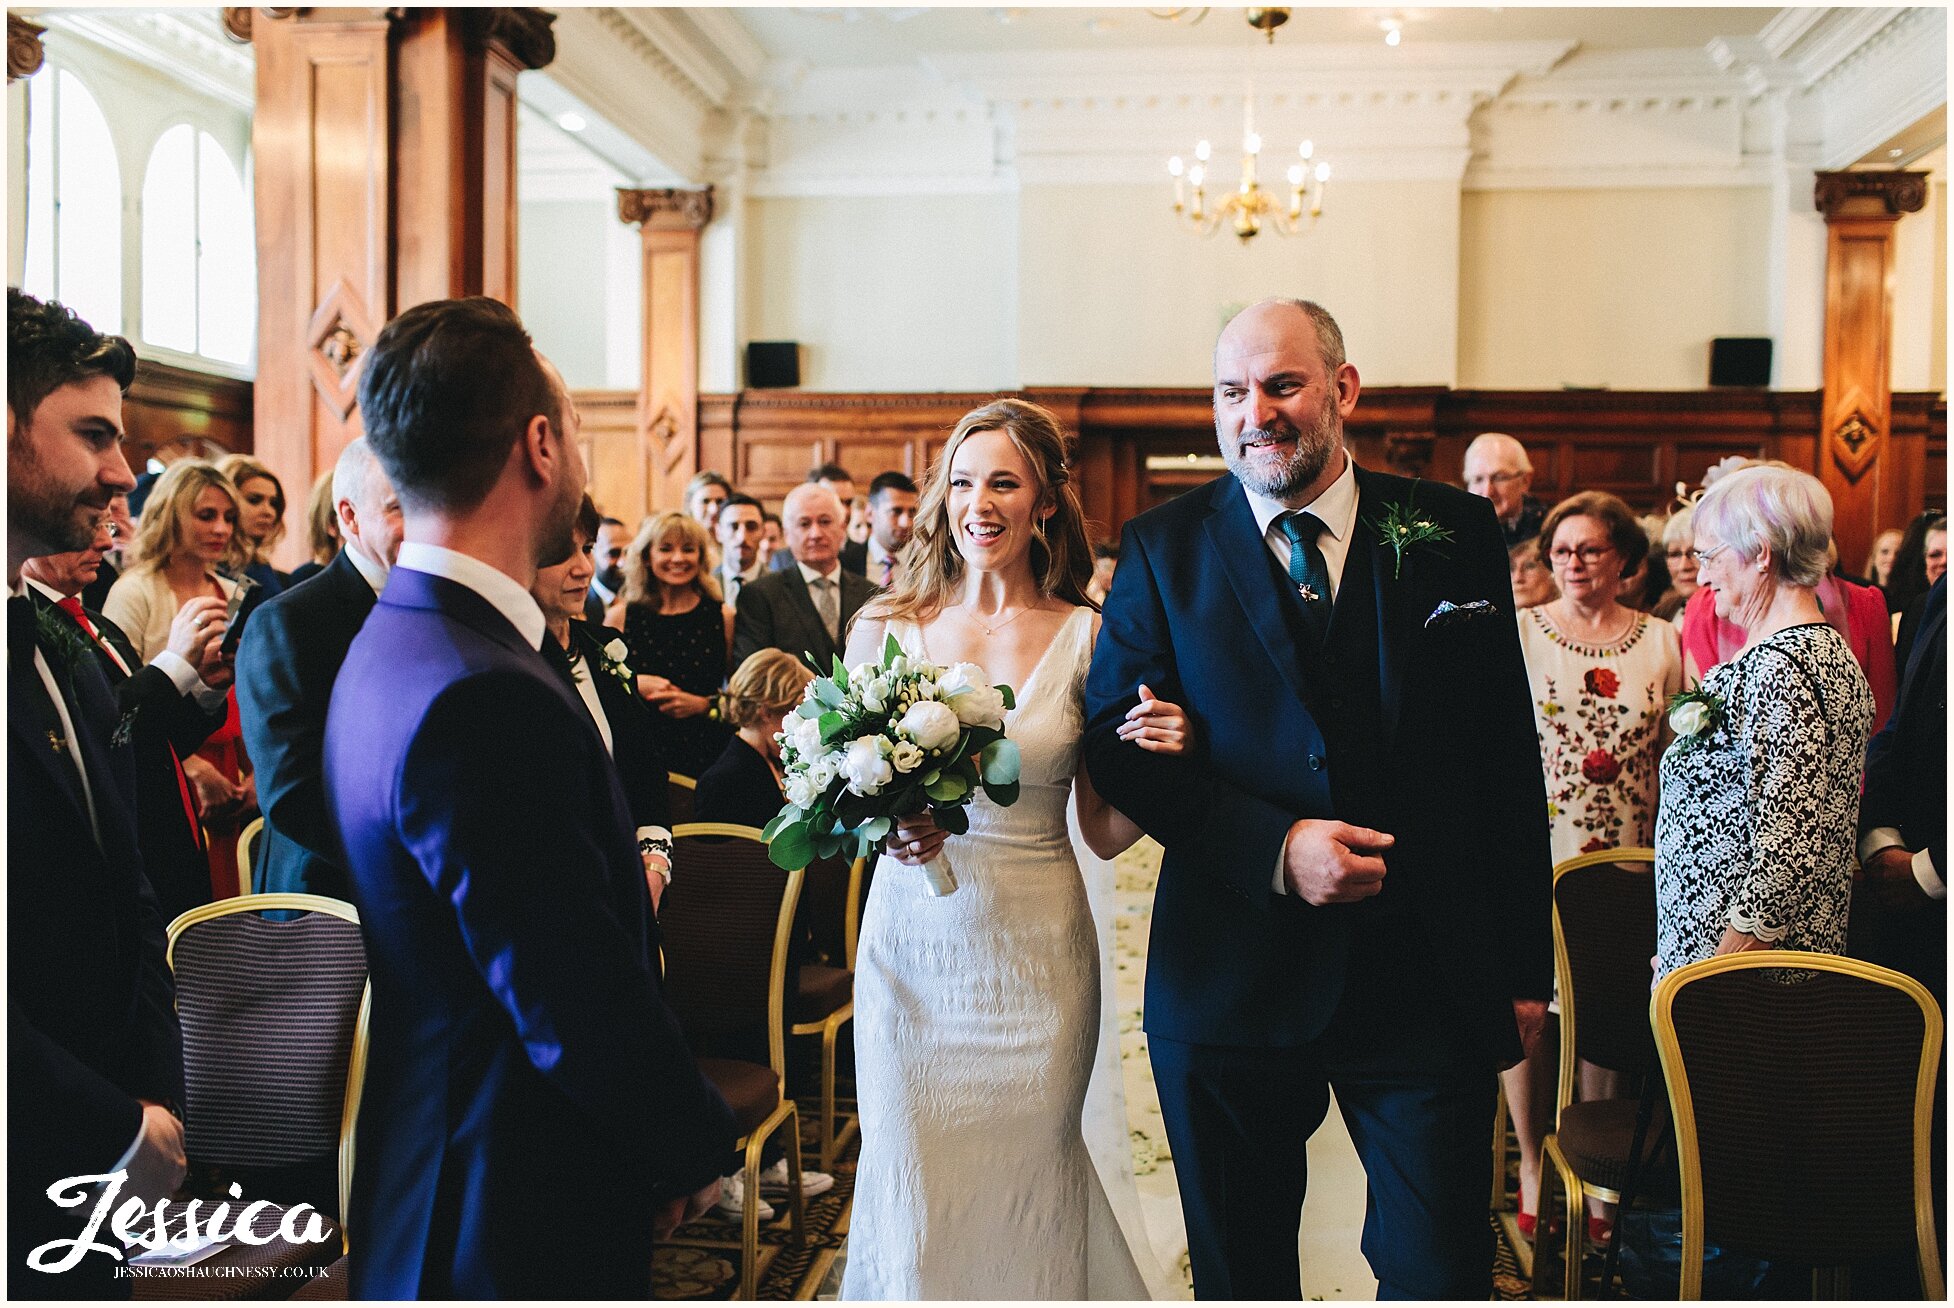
448, 387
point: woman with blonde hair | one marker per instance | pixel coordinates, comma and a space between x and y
744, 785
261, 520
321, 529
988, 998
678, 633
189, 530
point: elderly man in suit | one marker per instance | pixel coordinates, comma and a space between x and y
287, 662
804, 609
94, 1056
532, 1119
173, 705
1355, 890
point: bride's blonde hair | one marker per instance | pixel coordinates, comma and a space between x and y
1061, 555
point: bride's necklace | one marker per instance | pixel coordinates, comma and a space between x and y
990, 630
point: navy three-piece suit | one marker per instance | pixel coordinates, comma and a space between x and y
529, 1099
1403, 717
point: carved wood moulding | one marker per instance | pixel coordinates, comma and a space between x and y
25, 54
1870, 194
337, 338
669, 208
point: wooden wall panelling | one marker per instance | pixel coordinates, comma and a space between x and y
669, 221
168, 404
614, 455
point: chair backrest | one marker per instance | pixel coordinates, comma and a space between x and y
860, 876
247, 852
678, 790
1803, 1104
727, 919
822, 917
273, 1019
1604, 933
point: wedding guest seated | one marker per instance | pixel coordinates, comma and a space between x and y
743, 785
892, 501
321, 530
289, 659
586, 657
613, 538
1497, 467
1105, 562
1601, 674
1533, 580
830, 476
677, 632
172, 705
261, 522
1644, 588
190, 530
1760, 792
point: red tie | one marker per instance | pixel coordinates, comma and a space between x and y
72, 607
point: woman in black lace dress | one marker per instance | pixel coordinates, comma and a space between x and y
1760, 791
679, 634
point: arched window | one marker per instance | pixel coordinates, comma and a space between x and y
74, 201
199, 279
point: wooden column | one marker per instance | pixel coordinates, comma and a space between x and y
1875, 478
669, 222
384, 151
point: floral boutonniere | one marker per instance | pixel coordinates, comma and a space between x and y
61, 642
1694, 714
1402, 527
611, 659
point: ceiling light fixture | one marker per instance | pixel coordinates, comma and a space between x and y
1393, 29
571, 122
1248, 205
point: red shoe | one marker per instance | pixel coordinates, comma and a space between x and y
1528, 1223
1601, 1232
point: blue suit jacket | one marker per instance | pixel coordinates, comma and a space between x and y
1195, 614
528, 1095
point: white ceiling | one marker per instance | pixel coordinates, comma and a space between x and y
850, 37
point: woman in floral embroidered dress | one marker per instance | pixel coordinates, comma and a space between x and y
1602, 675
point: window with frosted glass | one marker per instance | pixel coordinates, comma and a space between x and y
74, 201
199, 266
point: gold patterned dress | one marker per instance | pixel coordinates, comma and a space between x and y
1599, 711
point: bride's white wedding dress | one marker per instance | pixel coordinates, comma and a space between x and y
977, 1016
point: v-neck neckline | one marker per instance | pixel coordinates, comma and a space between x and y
1019, 693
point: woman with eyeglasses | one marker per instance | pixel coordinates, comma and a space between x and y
1760, 794
1602, 674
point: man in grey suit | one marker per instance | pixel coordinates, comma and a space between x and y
804, 609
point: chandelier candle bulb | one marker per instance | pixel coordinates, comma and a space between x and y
1202, 150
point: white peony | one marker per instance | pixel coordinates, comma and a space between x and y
865, 767
805, 736
976, 702
931, 725
906, 757
875, 694
1689, 718
801, 790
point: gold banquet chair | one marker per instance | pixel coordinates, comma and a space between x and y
679, 790
727, 920
248, 841
1604, 933
1802, 1090
824, 991
274, 1015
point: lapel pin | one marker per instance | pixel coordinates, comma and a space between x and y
1308, 593
56, 743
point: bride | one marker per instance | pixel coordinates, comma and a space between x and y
977, 1014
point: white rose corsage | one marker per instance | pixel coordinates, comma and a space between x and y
612, 657
1694, 714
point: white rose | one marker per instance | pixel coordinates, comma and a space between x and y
867, 771
805, 736
825, 769
875, 694
617, 651
931, 725
906, 757
801, 790
976, 702
1689, 717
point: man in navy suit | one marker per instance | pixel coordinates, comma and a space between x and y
1355, 890
531, 1120
287, 661
94, 1057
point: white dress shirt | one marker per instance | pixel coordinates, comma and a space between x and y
509, 597
1924, 871
372, 571
1336, 508
585, 677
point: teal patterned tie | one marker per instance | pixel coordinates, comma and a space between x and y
1308, 570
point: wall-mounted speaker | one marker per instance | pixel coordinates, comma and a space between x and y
771, 365
1740, 361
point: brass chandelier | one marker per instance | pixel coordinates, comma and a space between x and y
1248, 208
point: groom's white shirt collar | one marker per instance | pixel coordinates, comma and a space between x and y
1336, 507
501, 590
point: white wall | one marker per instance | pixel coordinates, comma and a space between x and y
1920, 287
916, 293
1113, 293
578, 290
1620, 288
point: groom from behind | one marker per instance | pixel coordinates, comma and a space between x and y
531, 1117
1355, 890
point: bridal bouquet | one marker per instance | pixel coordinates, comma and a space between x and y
872, 743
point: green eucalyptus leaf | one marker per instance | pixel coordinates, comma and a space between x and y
827, 845
780, 819
953, 818
832, 726
949, 789
1010, 699
791, 847
999, 764
1003, 795
877, 830
827, 694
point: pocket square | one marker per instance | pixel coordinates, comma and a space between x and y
1447, 613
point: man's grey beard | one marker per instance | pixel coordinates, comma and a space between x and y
1312, 456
